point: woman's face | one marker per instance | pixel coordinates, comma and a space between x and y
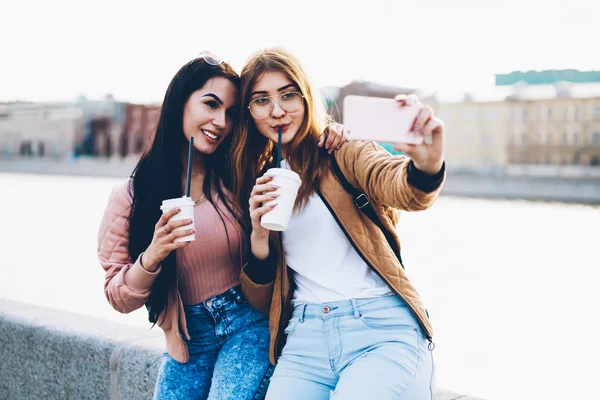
209, 114
271, 85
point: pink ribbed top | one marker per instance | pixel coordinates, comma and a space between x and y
206, 267
210, 264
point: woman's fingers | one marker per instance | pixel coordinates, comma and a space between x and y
171, 225
331, 136
345, 135
262, 193
401, 98
262, 184
423, 117
178, 234
339, 137
263, 198
260, 211
267, 187
162, 221
323, 137
263, 179
407, 100
262, 189
175, 245
432, 126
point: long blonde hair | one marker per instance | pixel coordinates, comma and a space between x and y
252, 153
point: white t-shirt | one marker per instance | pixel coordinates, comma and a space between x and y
325, 265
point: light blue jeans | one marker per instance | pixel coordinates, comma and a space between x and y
229, 353
355, 349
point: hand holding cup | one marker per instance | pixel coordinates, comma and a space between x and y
163, 240
262, 200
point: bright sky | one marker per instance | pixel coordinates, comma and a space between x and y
59, 49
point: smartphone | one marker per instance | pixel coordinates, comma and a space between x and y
380, 120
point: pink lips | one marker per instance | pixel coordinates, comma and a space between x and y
283, 127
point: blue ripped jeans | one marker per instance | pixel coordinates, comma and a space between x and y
229, 353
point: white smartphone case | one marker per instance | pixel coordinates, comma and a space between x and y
380, 120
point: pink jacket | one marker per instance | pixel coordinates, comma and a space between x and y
127, 285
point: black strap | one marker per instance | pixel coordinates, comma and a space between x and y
362, 202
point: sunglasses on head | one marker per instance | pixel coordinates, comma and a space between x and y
209, 57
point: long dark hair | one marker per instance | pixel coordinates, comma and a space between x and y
158, 174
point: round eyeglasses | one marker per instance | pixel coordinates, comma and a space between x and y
262, 107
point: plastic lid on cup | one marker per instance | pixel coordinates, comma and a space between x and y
177, 202
285, 173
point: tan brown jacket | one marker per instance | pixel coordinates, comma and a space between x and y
391, 183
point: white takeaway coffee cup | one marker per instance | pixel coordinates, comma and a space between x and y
187, 212
277, 219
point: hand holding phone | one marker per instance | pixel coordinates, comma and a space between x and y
381, 120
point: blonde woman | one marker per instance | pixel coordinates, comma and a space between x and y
345, 320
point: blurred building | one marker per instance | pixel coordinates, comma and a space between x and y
140, 125
104, 128
555, 117
104, 121
525, 125
115, 128
39, 130
477, 135
560, 130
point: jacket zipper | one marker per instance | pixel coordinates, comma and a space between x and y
427, 335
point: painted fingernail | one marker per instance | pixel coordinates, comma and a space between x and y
274, 186
276, 195
192, 231
189, 221
272, 205
178, 209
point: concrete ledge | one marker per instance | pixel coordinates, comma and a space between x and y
50, 354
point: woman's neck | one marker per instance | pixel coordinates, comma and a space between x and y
197, 174
198, 165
